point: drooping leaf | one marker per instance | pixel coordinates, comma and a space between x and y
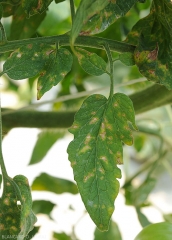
27, 61
85, 11
61, 236
152, 35
142, 218
45, 141
102, 19
42, 206
59, 65
156, 231
99, 129
112, 233
32, 7
27, 217
91, 62
45, 182
23, 27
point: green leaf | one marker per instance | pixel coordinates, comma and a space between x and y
45, 141
59, 1
99, 129
86, 10
59, 65
102, 19
154, 43
45, 182
61, 236
142, 218
23, 27
32, 233
91, 62
27, 61
42, 206
168, 217
32, 7
158, 231
127, 59
112, 233
28, 218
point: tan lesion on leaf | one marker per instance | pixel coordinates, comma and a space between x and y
6, 201
2, 227
88, 139
30, 46
85, 149
88, 176
19, 55
101, 170
93, 120
14, 229
104, 158
73, 163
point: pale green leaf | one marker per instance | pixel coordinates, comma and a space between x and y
86, 10
45, 182
27, 61
99, 129
59, 65
91, 62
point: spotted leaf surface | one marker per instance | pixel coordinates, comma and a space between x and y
59, 65
32, 7
91, 62
99, 128
152, 35
86, 10
27, 217
27, 61
102, 19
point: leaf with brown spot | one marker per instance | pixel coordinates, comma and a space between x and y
32, 7
99, 128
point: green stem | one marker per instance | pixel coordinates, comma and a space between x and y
109, 55
4, 38
72, 9
2, 164
64, 40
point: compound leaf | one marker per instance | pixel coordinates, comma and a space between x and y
91, 62
99, 129
103, 18
45, 182
86, 10
27, 61
32, 7
152, 35
59, 65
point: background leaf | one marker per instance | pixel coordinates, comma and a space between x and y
42, 206
99, 127
45, 141
61, 236
59, 65
45, 182
32, 7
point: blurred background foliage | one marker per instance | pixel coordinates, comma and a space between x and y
145, 164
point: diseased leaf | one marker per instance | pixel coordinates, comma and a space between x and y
32, 7
86, 10
127, 59
45, 141
112, 233
42, 206
59, 65
99, 129
91, 62
103, 18
152, 35
45, 182
27, 61
23, 27
27, 217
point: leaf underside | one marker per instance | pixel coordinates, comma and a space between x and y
99, 129
153, 37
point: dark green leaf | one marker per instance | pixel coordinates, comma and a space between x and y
11, 2
32, 233
61, 236
1, 11
142, 218
108, 15
8, 9
23, 27
45, 141
59, 65
42, 206
157, 231
154, 43
99, 129
59, 1
45, 182
32, 7
127, 59
0, 180
86, 10
91, 62
27, 61
28, 218
112, 234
